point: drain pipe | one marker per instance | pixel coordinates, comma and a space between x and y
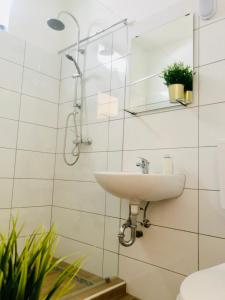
130, 223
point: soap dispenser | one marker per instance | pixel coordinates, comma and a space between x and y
167, 165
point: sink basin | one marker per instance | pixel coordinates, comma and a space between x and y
141, 187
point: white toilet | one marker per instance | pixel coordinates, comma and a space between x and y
208, 284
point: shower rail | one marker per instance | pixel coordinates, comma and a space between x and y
124, 21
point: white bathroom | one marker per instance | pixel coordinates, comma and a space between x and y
112, 149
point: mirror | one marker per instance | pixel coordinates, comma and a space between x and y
151, 53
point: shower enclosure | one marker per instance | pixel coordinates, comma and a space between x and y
80, 208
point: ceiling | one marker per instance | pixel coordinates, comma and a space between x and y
136, 10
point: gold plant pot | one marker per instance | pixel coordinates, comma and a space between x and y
188, 97
176, 92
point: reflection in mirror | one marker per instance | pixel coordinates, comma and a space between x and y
151, 53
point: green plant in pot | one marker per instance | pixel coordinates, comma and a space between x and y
178, 79
22, 274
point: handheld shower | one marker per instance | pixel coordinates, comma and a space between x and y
71, 58
57, 24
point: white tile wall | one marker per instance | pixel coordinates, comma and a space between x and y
93, 256
36, 138
39, 112
10, 75
41, 86
87, 218
30, 198
34, 165
85, 196
80, 226
12, 48
32, 192
172, 242
42, 61
9, 102
145, 281
159, 247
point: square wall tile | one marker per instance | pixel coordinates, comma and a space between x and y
211, 124
211, 76
10, 76
98, 133
211, 251
32, 217
99, 51
117, 104
36, 138
116, 135
41, 86
9, 102
80, 226
32, 192
87, 164
93, 256
10, 127
7, 161
12, 48
111, 242
4, 220
208, 36
172, 129
110, 264
149, 282
180, 213
96, 108
6, 186
34, 165
64, 110
159, 247
39, 112
119, 68
120, 43
97, 80
211, 214
208, 172
42, 61
86, 196
67, 90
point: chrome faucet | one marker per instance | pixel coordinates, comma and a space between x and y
144, 165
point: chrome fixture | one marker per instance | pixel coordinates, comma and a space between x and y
144, 165
71, 58
124, 21
58, 25
132, 224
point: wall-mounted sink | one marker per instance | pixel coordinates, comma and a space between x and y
141, 187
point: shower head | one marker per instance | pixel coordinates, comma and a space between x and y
71, 58
56, 24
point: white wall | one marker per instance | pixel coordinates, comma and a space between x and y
187, 233
29, 88
28, 22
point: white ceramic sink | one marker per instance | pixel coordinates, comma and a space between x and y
141, 187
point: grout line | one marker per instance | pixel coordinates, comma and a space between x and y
17, 139
198, 95
56, 146
153, 265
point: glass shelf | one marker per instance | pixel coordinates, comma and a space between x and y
135, 110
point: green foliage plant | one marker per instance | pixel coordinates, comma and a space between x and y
178, 73
22, 274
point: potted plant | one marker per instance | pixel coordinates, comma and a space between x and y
188, 86
178, 78
22, 275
